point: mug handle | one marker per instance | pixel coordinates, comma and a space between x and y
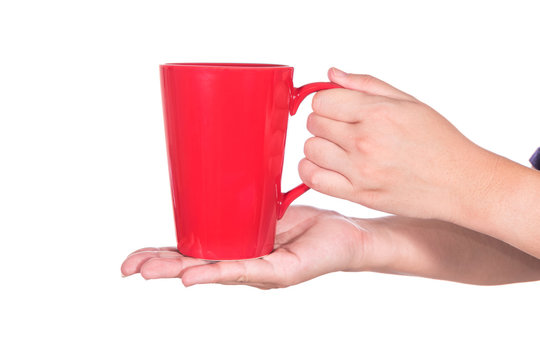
297, 95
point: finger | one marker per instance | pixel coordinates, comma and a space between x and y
345, 105
165, 248
326, 154
324, 180
284, 237
157, 268
338, 132
257, 271
132, 264
294, 216
366, 83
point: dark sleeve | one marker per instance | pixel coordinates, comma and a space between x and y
535, 159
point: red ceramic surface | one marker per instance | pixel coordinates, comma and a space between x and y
225, 126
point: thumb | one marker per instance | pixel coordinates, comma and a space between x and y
366, 83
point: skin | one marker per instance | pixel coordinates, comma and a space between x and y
311, 242
382, 148
464, 214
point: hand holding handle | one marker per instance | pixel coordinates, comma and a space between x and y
297, 95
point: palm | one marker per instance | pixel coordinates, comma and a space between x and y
309, 243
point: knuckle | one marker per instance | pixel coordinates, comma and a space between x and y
314, 179
306, 179
309, 147
310, 179
242, 276
367, 80
366, 172
361, 144
379, 110
311, 123
317, 102
303, 172
370, 174
306, 148
302, 166
385, 110
241, 279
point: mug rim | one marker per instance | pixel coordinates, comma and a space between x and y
228, 65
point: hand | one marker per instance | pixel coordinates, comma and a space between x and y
309, 243
382, 148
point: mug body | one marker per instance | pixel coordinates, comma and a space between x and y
225, 128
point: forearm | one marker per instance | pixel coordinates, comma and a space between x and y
441, 250
500, 198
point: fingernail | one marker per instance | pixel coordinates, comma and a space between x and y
338, 73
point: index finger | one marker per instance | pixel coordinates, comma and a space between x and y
344, 104
367, 83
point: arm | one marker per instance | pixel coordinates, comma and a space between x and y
441, 250
506, 205
311, 242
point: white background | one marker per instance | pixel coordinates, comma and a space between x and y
84, 181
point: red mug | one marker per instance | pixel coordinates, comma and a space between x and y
225, 127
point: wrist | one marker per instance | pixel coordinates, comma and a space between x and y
468, 190
376, 248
